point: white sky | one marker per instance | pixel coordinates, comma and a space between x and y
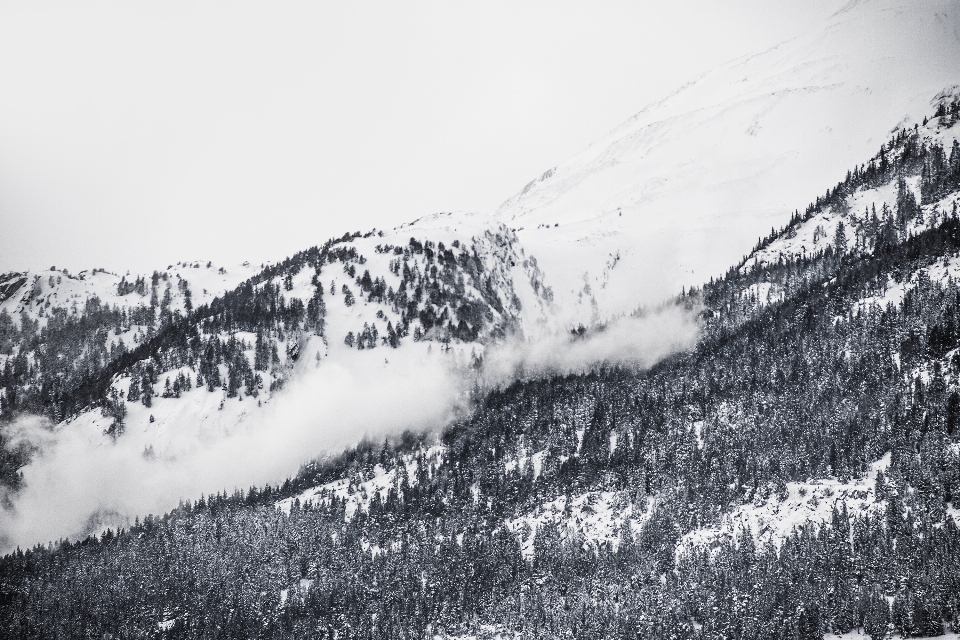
135, 134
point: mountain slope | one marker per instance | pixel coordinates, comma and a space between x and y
684, 188
794, 475
162, 382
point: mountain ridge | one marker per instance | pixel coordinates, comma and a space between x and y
687, 185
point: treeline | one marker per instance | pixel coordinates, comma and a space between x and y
905, 153
436, 296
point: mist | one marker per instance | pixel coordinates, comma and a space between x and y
81, 482
639, 340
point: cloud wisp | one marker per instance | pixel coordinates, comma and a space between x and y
638, 340
81, 482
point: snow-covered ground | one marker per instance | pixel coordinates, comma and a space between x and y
944, 270
860, 635
810, 503
683, 189
356, 493
44, 290
820, 231
487, 632
596, 517
534, 460
514, 278
498, 633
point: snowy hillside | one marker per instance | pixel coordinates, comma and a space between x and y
163, 367
773, 454
684, 188
457, 279
794, 474
179, 287
815, 503
865, 206
482, 270
356, 495
909, 189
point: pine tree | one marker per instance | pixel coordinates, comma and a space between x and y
840, 238
877, 616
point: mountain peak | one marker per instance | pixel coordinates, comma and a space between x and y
688, 184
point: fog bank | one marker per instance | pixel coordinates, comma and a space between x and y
81, 481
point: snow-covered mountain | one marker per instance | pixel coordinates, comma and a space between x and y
456, 279
677, 194
163, 366
178, 288
793, 473
684, 188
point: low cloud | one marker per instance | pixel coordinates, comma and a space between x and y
80, 481
640, 340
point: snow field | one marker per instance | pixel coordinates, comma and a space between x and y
808, 503
684, 188
595, 517
359, 492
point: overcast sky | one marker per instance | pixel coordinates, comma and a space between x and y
134, 134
